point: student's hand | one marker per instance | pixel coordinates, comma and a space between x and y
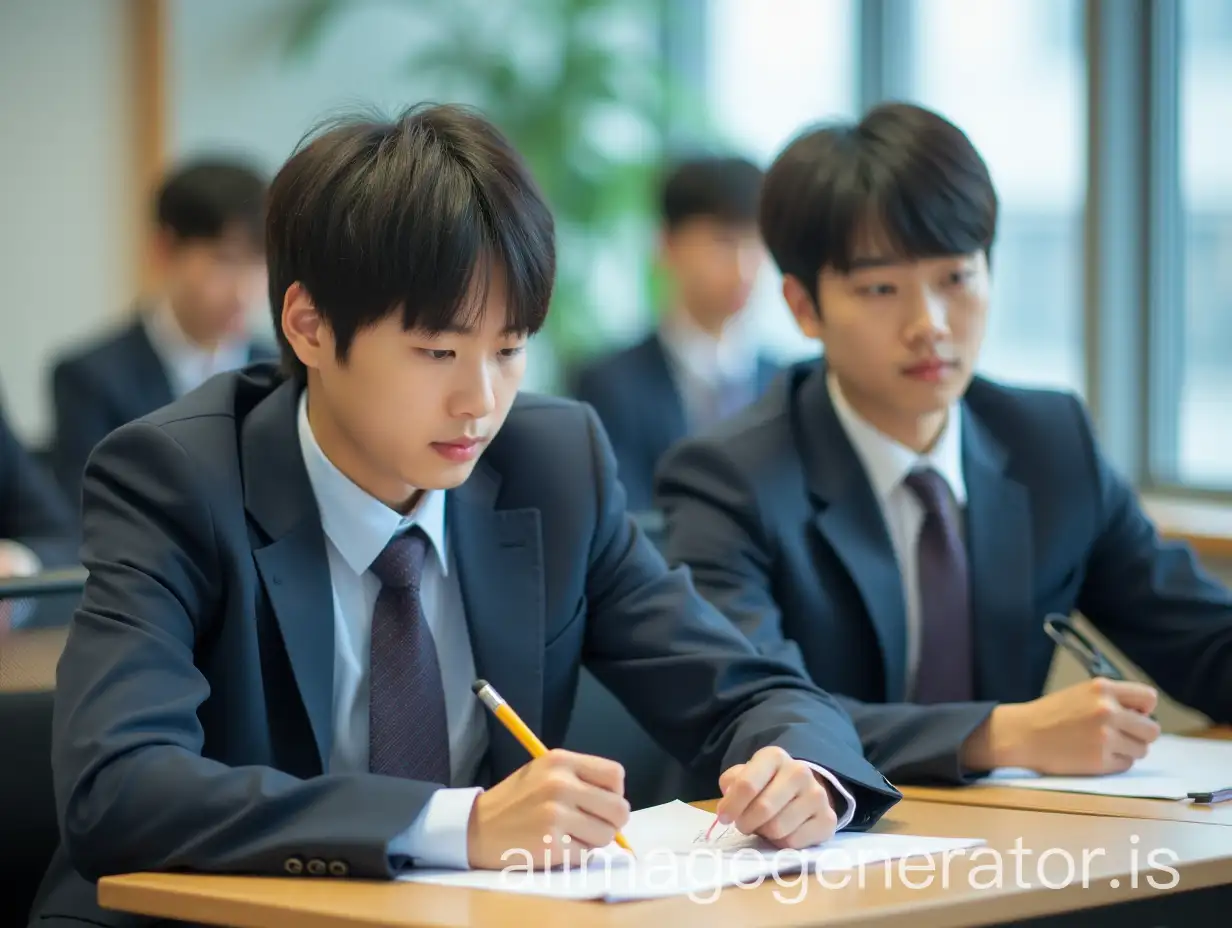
16, 560
781, 799
559, 796
1095, 727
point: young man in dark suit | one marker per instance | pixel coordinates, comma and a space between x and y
296, 577
694, 369
36, 524
212, 274
900, 527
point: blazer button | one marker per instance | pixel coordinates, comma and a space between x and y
293, 866
316, 867
338, 868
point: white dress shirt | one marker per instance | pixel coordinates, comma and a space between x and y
702, 365
887, 464
187, 364
357, 528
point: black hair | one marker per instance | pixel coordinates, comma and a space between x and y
375, 216
902, 173
208, 198
722, 188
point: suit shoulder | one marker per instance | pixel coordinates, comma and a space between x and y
614, 366
1024, 414
536, 413
104, 352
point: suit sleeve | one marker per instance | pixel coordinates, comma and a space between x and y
33, 511
715, 528
1153, 599
690, 678
133, 790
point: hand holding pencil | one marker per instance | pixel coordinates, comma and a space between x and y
556, 806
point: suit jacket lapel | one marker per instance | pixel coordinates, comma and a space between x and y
152, 382
999, 550
850, 519
663, 392
293, 565
499, 557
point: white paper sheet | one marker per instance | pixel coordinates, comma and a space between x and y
673, 858
1173, 768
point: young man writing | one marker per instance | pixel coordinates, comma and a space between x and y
295, 579
694, 370
211, 270
901, 528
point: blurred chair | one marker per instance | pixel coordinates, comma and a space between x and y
29, 831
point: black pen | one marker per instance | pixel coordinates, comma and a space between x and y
1219, 795
1061, 630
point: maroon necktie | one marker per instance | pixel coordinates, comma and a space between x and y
945, 672
409, 732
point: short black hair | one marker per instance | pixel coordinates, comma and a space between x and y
725, 188
374, 216
903, 172
207, 198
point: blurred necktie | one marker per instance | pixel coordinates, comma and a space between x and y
945, 672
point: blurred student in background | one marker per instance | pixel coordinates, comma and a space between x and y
36, 524
694, 370
211, 268
899, 527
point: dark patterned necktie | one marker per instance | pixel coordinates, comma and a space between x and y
945, 672
409, 732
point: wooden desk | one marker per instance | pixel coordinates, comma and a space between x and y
954, 894
1036, 800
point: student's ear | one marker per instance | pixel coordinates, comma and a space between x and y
806, 312
303, 327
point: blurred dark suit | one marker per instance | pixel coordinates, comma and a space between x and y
33, 511
641, 397
102, 386
776, 517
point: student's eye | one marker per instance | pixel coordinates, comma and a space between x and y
436, 354
877, 290
959, 277
509, 353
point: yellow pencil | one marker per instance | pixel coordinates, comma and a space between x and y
519, 729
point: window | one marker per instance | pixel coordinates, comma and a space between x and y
773, 69
1012, 75
1204, 453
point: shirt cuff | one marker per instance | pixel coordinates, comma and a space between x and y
846, 814
437, 837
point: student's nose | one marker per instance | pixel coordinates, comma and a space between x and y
476, 398
748, 262
931, 317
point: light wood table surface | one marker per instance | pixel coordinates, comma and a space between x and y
1119, 854
1038, 800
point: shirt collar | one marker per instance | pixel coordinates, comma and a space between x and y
888, 462
177, 349
359, 525
701, 355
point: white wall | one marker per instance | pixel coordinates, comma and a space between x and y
66, 187
232, 87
